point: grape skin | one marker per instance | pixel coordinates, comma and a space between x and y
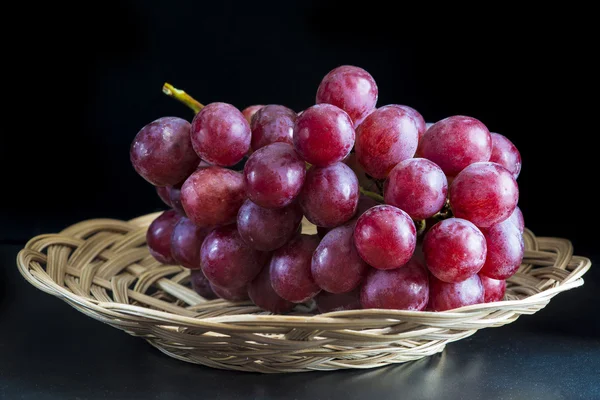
220, 134
330, 302
336, 266
454, 250
364, 203
385, 237
517, 219
484, 193
448, 296
230, 294
163, 193
274, 175
456, 142
323, 135
227, 261
364, 181
330, 195
505, 153
350, 88
212, 196
201, 285
505, 250
417, 186
405, 288
162, 152
272, 123
290, 266
386, 137
249, 112
175, 199
186, 241
158, 236
417, 118
262, 294
493, 289
267, 229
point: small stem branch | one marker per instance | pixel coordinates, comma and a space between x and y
445, 212
377, 182
373, 195
420, 225
183, 97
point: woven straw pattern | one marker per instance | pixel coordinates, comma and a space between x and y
102, 268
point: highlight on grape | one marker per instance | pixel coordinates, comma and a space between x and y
410, 215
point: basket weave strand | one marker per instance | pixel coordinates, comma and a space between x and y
102, 268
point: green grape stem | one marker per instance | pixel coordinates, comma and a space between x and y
373, 195
420, 225
445, 212
183, 97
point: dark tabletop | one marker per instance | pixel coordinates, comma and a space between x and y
48, 350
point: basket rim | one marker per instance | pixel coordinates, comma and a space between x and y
48, 285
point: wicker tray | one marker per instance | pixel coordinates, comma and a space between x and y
103, 269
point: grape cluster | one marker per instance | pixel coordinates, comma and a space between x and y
410, 215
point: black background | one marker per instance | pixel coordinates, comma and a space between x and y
96, 72
83, 79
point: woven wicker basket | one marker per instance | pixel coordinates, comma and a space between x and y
102, 268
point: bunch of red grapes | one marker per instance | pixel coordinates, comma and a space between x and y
410, 216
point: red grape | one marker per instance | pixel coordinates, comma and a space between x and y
417, 186
163, 193
448, 296
350, 88
227, 261
212, 196
201, 285
272, 124
336, 266
274, 175
386, 137
330, 302
364, 180
454, 250
162, 152
505, 250
364, 203
323, 135
249, 112
220, 134
175, 199
262, 294
186, 241
456, 142
385, 237
290, 269
360, 121
485, 193
330, 195
158, 236
517, 219
405, 288
505, 153
493, 289
230, 294
417, 117
267, 229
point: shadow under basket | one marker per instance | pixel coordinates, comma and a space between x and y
103, 268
